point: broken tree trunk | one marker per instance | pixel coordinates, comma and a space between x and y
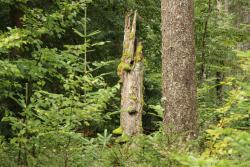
130, 71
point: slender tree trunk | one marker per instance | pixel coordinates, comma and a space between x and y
179, 82
130, 71
203, 49
246, 20
219, 5
15, 16
226, 6
223, 8
219, 87
243, 18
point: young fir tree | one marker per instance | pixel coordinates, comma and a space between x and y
179, 85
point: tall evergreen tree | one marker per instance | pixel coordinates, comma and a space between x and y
179, 85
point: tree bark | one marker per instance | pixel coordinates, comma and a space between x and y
226, 6
15, 16
222, 9
202, 76
130, 71
178, 54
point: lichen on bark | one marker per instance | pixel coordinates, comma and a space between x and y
130, 71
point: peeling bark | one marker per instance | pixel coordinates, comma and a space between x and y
179, 82
130, 71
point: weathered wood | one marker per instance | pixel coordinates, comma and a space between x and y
130, 71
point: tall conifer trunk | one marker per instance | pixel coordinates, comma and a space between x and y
179, 83
130, 71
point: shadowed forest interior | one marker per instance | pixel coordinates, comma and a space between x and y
131, 83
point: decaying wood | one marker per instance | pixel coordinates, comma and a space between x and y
130, 71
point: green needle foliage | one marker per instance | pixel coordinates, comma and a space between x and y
54, 113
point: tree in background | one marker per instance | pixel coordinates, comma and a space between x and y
53, 113
179, 85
